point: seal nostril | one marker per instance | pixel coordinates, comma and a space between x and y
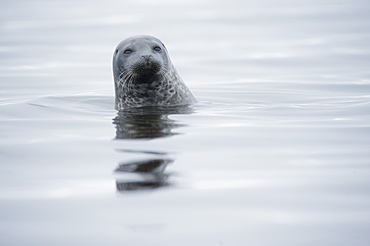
146, 57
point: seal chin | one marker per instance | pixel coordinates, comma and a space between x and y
146, 77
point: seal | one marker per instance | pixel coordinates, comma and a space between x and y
145, 76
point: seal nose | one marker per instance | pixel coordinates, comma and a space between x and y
146, 57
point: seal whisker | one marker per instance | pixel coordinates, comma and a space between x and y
126, 82
130, 82
166, 73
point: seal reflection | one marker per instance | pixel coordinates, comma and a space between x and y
145, 123
150, 174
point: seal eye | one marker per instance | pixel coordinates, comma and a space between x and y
157, 48
128, 51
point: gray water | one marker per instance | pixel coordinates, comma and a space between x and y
275, 152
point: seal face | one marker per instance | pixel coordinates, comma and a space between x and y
145, 76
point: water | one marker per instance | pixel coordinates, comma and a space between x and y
276, 151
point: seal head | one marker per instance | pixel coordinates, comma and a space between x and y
145, 76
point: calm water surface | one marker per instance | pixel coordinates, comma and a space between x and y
276, 151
